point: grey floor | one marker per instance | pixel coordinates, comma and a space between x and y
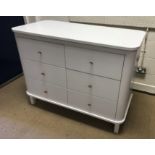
19, 119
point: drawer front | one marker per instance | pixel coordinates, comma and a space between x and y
53, 92
95, 105
49, 73
93, 85
41, 51
94, 62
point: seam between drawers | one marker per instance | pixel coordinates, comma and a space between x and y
42, 62
94, 74
46, 82
73, 69
104, 98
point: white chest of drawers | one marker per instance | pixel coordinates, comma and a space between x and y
81, 67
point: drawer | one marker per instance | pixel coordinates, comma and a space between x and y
94, 62
94, 105
93, 85
49, 73
44, 89
41, 51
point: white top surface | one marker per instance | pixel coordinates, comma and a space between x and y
119, 38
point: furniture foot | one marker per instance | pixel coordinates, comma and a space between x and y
32, 100
116, 128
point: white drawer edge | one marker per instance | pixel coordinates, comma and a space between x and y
103, 98
82, 111
31, 37
22, 58
47, 82
92, 74
66, 68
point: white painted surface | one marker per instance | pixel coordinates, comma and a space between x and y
53, 92
92, 104
82, 111
116, 128
82, 33
104, 63
50, 53
100, 86
142, 84
35, 86
124, 93
32, 100
79, 101
112, 105
133, 21
44, 72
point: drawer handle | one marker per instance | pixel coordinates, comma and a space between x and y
43, 74
89, 104
39, 52
91, 62
45, 91
90, 86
